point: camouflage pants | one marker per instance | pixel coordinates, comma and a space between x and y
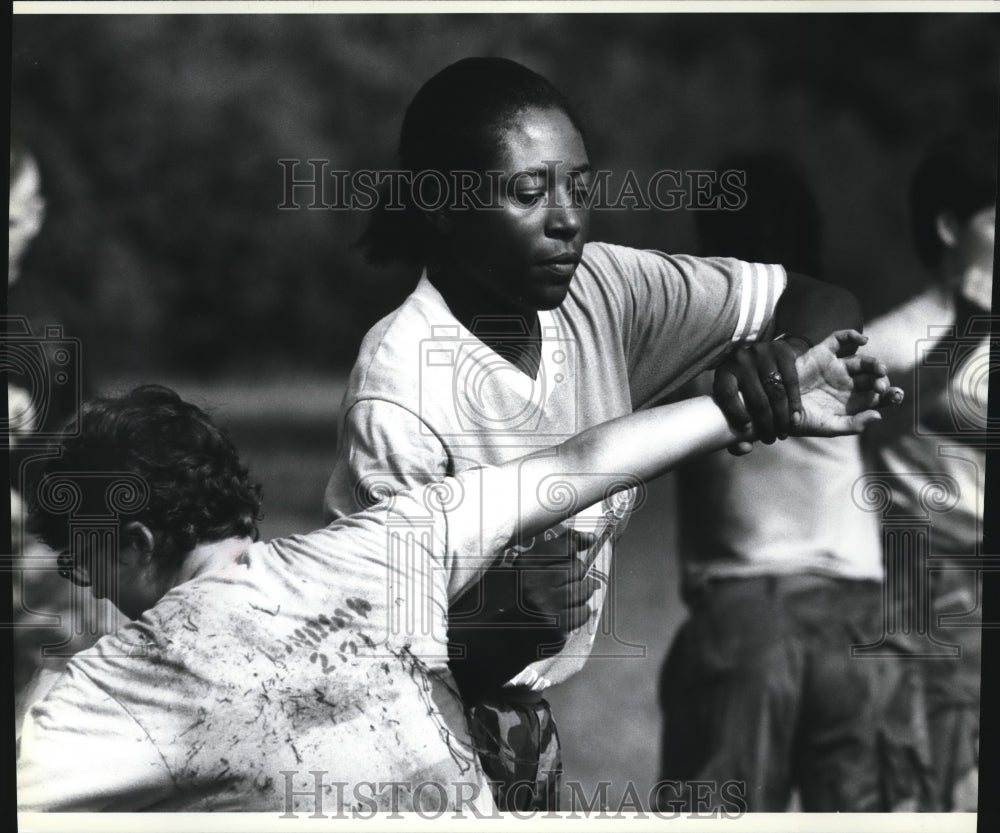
519, 750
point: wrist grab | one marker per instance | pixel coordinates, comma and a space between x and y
809, 343
743, 435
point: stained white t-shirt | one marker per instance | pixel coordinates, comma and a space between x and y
322, 653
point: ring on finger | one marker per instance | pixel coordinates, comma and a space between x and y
775, 378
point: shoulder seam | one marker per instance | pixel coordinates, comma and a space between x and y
371, 398
135, 720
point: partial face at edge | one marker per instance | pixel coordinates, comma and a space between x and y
127, 576
974, 242
523, 253
27, 211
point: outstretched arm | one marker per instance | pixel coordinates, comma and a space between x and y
839, 396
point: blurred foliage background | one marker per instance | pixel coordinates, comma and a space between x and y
158, 138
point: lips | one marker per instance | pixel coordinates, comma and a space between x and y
565, 259
562, 271
563, 266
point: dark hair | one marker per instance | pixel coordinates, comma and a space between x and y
197, 488
455, 122
958, 175
779, 223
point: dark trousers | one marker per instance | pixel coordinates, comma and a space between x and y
760, 688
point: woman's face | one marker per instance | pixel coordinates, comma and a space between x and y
523, 250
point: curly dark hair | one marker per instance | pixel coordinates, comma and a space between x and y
196, 488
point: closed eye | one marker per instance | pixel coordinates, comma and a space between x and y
526, 199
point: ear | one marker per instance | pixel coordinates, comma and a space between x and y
947, 226
139, 537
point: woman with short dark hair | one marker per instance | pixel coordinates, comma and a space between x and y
520, 332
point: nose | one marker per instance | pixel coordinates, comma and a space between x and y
564, 221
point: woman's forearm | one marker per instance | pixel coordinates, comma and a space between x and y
628, 450
839, 396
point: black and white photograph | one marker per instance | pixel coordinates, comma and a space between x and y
520, 414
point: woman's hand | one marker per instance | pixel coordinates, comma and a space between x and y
519, 614
757, 387
840, 395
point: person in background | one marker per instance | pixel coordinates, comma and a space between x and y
42, 394
27, 208
26, 215
521, 332
48, 389
253, 676
938, 342
782, 575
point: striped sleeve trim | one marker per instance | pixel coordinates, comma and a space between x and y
761, 285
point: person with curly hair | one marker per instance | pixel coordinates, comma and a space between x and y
187, 477
309, 671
